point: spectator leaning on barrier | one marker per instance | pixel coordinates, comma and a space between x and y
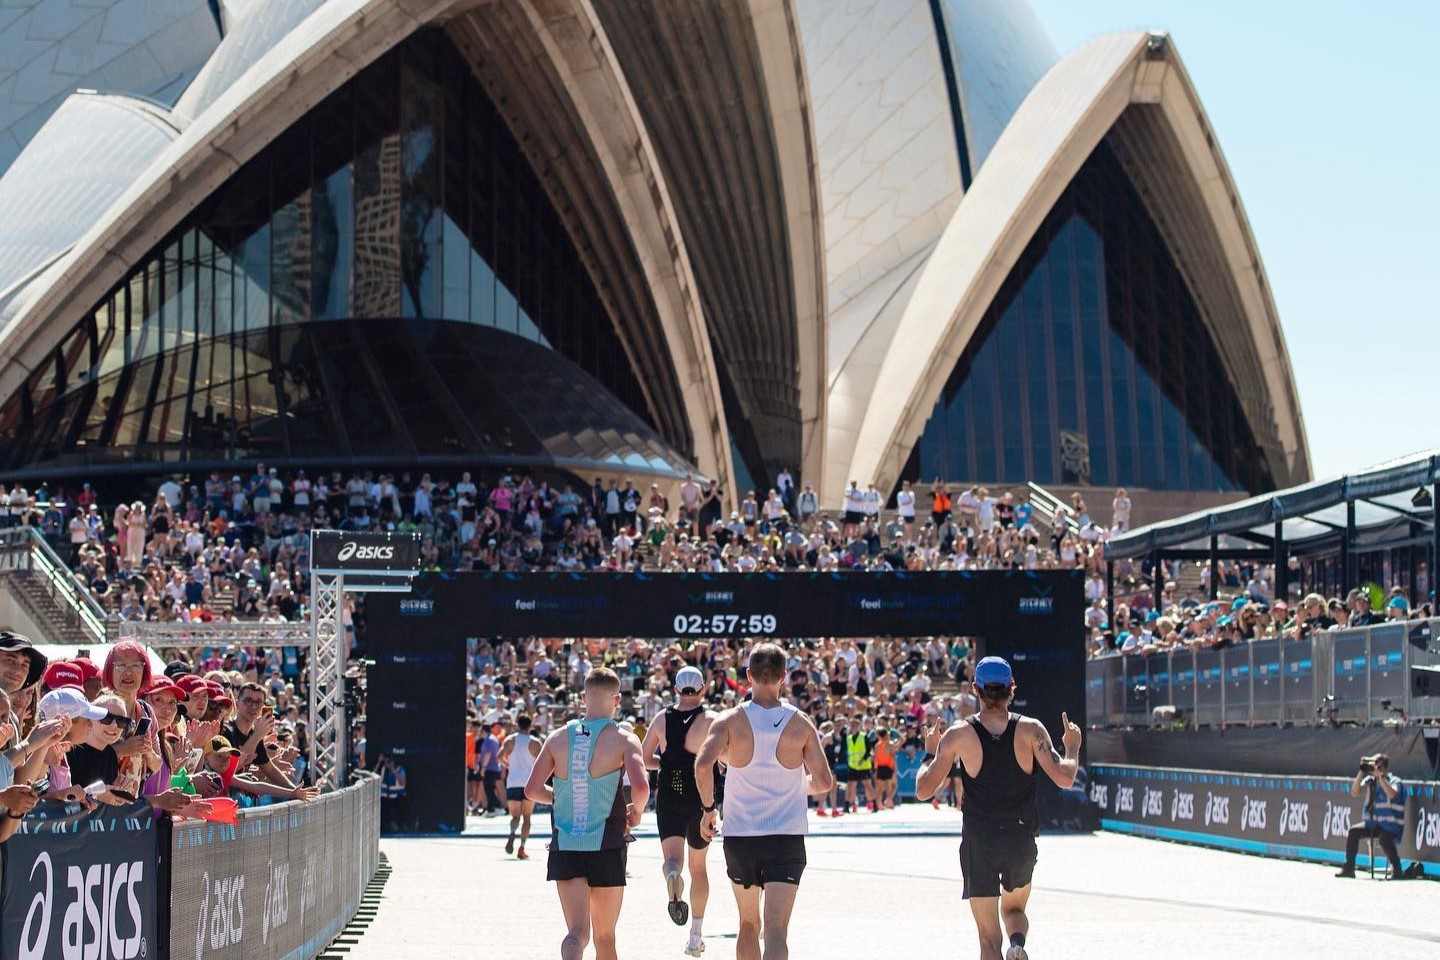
252, 731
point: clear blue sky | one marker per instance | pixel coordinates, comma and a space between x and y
1329, 116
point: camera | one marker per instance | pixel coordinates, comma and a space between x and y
1367, 765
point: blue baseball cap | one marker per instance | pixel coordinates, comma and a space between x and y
993, 670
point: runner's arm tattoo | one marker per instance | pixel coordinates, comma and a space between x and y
1043, 743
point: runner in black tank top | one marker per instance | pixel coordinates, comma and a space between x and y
669, 748
1002, 795
1000, 754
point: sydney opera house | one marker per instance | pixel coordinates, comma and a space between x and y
862, 239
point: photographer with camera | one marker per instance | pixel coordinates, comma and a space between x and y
1385, 796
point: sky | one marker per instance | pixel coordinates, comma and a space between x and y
1329, 116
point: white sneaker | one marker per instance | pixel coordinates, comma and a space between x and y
695, 947
1016, 953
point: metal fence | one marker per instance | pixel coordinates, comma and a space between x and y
280, 884
1357, 675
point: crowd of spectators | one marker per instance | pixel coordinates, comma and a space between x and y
1246, 609
237, 548
203, 737
871, 699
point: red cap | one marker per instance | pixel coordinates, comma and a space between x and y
215, 689
165, 685
190, 682
88, 668
64, 673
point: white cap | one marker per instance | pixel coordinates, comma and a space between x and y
689, 678
69, 702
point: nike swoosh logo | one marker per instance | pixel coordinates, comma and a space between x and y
778, 722
689, 718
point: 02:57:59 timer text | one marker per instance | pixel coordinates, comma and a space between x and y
724, 625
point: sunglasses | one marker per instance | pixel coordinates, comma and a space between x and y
116, 720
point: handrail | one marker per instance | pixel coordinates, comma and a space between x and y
1043, 505
25, 548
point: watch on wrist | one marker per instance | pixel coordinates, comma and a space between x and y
709, 809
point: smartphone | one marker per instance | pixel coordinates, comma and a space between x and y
95, 789
143, 727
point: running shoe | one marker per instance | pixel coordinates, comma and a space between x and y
510, 845
522, 855
695, 947
821, 813
1016, 953
679, 910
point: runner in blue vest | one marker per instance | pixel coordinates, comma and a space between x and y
590, 817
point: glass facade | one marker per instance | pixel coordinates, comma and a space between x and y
402, 198
1093, 364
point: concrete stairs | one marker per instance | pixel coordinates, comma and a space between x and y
60, 622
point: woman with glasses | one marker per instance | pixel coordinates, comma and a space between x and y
95, 759
126, 674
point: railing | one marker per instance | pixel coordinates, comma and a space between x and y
23, 548
1043, 506
247, 633
1357, 676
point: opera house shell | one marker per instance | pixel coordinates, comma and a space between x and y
865, 240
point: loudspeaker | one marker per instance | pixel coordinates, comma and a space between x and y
1424, 681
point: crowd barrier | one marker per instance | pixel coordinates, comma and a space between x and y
1365, 670
122, 885
1300, 818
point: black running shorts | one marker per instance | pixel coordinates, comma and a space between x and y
514, 794
756, 861
995, 856
598, 868
681, 821
884, 773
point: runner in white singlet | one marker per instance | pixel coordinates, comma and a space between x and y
775, 764
517, 756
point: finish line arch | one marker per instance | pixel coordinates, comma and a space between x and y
417, 687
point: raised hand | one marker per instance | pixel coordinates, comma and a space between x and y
933, 736
1072, 736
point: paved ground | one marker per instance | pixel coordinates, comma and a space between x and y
881, 884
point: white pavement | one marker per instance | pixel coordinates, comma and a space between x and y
876, 888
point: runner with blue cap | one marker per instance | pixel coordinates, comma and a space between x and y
998, 752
